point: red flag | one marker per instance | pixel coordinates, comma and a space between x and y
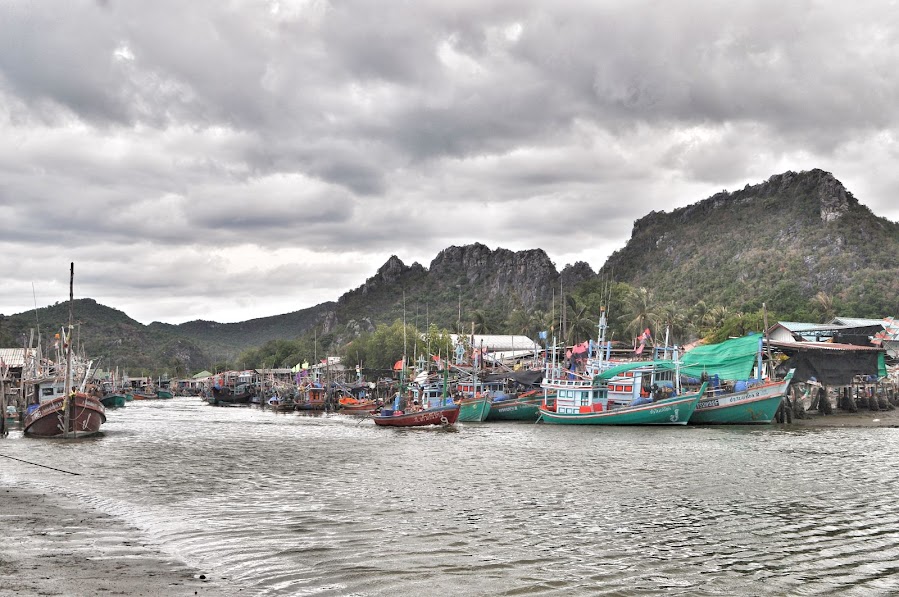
398, 365
643, 338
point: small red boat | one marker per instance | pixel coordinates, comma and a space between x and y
46, 419
442, 415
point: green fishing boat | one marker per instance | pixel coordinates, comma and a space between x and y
474, 409
523, 407
113, 400
164, 394
738, 394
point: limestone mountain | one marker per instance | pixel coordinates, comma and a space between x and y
786, 242
780, 242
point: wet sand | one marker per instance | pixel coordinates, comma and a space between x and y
862, 418
50, 548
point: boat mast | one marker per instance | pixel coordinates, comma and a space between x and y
69, 400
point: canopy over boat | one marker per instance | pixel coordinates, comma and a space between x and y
731, 360
660, 365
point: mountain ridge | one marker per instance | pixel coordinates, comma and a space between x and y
783, 242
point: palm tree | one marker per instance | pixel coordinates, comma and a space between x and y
482, 323
578, 324
675, 317
824, 302
641, 311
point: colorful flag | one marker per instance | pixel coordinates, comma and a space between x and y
643, 338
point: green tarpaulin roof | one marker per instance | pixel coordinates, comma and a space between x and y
732, 359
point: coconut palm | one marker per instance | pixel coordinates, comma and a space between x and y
641, 311
824, 302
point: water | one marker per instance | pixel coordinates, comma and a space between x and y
287, 504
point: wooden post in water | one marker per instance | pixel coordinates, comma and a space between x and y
3, 430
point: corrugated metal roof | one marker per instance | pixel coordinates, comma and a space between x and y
13, 357
857, 322
496, 343
825, 346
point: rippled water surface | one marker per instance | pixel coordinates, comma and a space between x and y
287, 504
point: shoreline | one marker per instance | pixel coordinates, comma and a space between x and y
53, 548
841, 418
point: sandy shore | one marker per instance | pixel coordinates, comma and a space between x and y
50, 548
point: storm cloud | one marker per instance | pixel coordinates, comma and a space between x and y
228, 161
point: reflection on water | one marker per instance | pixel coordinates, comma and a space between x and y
288, 504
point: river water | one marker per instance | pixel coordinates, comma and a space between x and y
291, 504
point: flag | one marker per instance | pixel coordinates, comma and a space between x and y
541, 335
643, 338
398, 365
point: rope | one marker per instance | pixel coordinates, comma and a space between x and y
41, 465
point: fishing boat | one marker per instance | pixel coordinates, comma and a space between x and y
113, 400
312, 397
635, 393
227, 396
438, 415
524, 406
12, 416
143, 395
356, 406
164, 393
55, 407
48, 417
438, 411
588, 402
738, 392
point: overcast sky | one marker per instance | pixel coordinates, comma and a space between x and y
233, 160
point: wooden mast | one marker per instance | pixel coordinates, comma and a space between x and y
69, 387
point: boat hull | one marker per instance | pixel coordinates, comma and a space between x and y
474, 410
756, 405
521, 408
113, 400
365, 408
444, 415
672, 411
87, 416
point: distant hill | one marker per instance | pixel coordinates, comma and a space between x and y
784, 242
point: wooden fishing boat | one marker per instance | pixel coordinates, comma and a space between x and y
617, 395
745, 405
474, 409
739, 393
55, 408
354, 406
582, 401
113, 400
439, 415
46, 419
312, 398
164, 393
519, 407
226, 396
